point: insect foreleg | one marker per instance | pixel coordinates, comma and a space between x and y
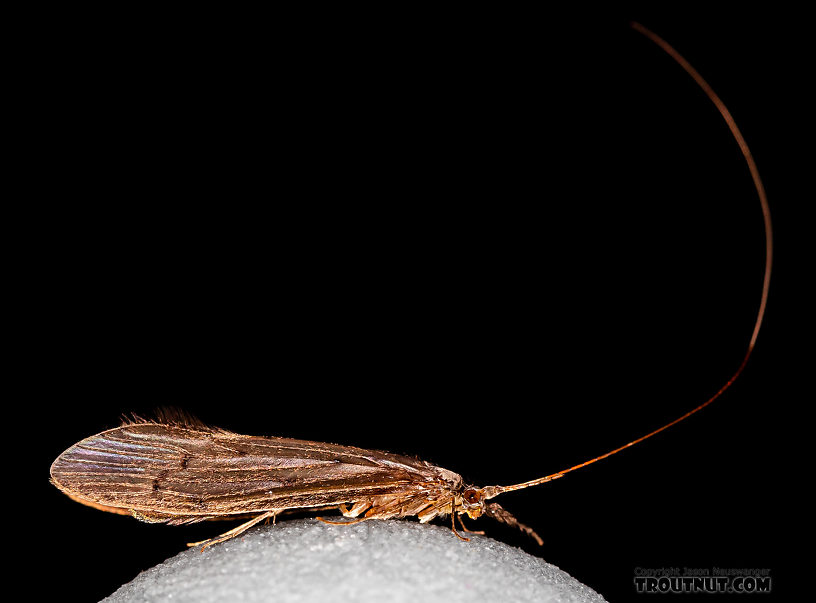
465, 528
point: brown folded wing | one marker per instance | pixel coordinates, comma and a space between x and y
187, 473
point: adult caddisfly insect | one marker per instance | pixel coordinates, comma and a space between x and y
178, 471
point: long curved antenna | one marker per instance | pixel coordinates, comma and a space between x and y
492, 491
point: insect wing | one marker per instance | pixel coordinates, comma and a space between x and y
171, 472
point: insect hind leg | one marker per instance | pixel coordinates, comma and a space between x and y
234, 531
341, 522
356, 509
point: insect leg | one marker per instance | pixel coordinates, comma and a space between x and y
453, 527
342, 523
356, 508
234, 531
441, 507
464, 527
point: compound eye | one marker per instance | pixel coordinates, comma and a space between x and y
472, 496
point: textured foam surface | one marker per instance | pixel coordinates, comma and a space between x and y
306, 560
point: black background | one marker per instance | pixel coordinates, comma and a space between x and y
504, 243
